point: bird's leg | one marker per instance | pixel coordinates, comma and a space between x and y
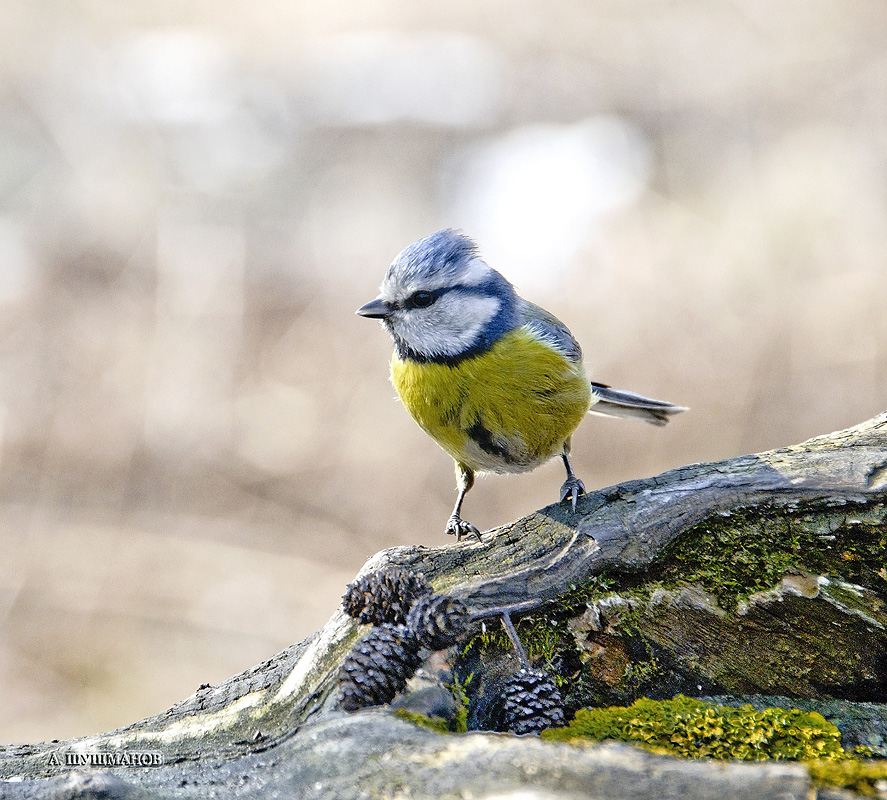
572, 488
456, 526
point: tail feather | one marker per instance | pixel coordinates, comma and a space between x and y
618, 403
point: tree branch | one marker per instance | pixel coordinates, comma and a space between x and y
250, 725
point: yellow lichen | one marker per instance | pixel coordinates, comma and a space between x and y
696, 729
863, 777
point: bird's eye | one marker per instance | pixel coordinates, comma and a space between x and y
421, 299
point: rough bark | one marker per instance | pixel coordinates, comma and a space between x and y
631, 576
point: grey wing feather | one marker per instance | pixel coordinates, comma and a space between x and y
549, 328
619, 403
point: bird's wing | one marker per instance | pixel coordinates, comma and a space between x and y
550, 329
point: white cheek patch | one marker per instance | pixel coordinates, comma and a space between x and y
449, 327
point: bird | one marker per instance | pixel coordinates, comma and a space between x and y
497, 381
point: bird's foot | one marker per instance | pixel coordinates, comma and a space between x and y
458, 527
572, 490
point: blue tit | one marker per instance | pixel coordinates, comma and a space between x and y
495, 380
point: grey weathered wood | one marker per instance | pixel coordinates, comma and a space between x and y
376, 755
256, 717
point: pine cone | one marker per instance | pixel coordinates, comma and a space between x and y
378, 667
532, 703
384, 596
438, 620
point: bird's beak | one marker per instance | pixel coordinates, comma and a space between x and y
375, 309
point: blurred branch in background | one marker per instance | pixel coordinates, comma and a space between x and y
199, 446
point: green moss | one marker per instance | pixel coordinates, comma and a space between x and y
696, 729
766, 544
639, 673
543, 637
423, 721
730, 557
575, 601
459, 723
460, 694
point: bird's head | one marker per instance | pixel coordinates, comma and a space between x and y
441, 302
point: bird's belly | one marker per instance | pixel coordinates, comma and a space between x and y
506, 410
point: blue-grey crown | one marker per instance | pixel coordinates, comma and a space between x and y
441, 253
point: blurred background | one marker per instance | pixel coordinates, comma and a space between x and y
199, 446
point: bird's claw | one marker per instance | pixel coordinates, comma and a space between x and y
572, 490
458, 527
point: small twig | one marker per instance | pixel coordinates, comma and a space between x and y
498, 611
515, 640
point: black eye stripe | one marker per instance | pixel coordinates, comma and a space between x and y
434, 294
422, 298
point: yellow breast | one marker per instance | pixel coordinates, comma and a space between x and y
506, 410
